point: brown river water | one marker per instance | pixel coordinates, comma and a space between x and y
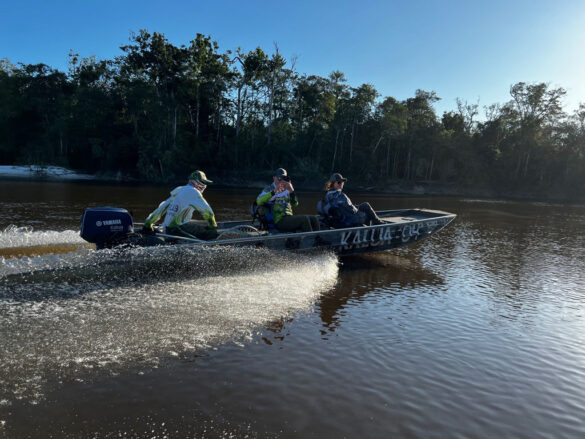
476, 332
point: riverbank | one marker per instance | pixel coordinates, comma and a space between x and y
35, 172
260, 179
243, 180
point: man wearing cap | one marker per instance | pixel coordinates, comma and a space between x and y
349, 215
179, 208
281, 197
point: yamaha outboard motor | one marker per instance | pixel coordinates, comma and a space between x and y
106, 226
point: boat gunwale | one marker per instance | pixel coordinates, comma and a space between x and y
442, 215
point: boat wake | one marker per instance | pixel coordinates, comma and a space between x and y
63, 316
17, 242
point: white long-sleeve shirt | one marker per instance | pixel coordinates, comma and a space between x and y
179, 208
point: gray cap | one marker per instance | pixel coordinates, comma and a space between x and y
337, 177
280, 172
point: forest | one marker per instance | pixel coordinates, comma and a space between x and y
158, 111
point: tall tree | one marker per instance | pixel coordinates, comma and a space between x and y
393, 120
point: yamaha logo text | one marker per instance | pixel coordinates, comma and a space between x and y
108, 222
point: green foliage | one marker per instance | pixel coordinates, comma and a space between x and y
159, 110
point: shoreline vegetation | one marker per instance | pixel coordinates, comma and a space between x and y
398, 188
157, 111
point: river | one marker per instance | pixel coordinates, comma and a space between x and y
478, 331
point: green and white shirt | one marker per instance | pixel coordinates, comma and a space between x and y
282, 202
179, 208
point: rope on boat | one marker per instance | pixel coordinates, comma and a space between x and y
242, 231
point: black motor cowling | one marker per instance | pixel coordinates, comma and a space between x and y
106, 226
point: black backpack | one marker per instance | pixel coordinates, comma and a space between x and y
262, 215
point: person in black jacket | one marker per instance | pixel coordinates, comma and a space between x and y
339, 206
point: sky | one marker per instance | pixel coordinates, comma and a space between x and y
472, 50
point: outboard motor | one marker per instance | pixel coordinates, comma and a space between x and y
106, 226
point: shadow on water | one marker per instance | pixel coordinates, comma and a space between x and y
360, 275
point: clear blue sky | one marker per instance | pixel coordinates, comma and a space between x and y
467, 49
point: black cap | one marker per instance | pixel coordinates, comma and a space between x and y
337, 177
280, 172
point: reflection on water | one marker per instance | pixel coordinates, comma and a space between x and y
524, 265
476, 332
364, 274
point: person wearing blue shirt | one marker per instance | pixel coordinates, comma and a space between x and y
339, 206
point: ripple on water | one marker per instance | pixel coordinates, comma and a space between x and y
134, 307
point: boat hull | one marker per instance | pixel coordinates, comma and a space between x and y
112, 227
400, 228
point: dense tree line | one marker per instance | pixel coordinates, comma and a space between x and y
158, 110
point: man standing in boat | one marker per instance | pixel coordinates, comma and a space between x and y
344, 211
281, 197
179, 208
